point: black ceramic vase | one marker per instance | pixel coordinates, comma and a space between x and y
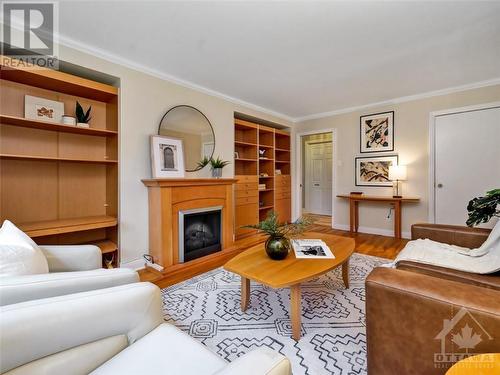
277, 247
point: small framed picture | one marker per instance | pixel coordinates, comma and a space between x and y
167, 157
377, 132
43, 109
374, 170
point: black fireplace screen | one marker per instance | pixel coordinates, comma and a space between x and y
202, 234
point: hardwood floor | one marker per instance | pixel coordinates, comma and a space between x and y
369, 244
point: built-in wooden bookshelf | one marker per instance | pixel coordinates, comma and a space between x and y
260, 151
59, 183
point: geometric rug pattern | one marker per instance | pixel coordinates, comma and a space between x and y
333, 340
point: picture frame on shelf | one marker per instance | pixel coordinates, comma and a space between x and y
167, 157
373, 171
42, 109
376, 132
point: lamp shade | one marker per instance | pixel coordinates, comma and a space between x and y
397, 172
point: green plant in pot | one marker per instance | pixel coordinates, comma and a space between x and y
278, 244
482, 209
82, 117
217, 165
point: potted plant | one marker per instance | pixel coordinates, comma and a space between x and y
203, 162
217, 165
82, 117
482, 209
278, 243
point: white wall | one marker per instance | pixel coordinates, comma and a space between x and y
411, 143
143, 101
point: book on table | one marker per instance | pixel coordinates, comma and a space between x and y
311, 249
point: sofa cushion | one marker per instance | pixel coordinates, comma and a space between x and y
19, 254
165, 350
25, 288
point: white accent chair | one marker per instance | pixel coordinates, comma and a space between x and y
72, 269
117, 330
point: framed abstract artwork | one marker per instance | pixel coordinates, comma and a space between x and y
377, 132
167, 157
374, 170
43, 109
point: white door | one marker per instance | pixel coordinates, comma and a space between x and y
467, 161
318, 178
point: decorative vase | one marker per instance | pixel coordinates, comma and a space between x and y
217, 172
277, 247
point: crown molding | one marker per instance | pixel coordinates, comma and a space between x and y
97, 52
82, 47
429, 94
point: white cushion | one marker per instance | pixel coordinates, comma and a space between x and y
19, 254
164, 351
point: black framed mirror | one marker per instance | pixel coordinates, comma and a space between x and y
194, 129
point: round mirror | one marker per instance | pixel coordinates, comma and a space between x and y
192, 126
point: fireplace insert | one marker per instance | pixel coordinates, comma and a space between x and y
200, 232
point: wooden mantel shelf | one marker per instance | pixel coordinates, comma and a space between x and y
166, 182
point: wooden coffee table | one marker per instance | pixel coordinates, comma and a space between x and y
254, 264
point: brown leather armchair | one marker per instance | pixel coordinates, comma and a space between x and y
422, 319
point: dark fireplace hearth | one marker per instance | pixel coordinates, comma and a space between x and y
200, 232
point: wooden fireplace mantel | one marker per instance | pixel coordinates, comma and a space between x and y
169, 182
167, 197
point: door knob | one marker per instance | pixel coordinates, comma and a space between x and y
439, 185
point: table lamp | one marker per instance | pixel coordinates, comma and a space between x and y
397, 173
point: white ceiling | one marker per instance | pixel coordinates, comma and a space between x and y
297, 58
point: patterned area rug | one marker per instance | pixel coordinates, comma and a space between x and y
333, 318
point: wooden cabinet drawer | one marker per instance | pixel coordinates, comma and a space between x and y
246, 193
246, 186
246, 200
243, 179
283, 195
281, 189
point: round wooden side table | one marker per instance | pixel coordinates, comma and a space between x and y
481, 364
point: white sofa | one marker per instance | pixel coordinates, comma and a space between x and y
117, 330
72, 269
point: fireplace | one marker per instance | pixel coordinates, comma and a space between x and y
200, 232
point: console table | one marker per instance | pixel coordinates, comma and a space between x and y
354, 200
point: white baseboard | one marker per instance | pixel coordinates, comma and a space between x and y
381, 232
136, 264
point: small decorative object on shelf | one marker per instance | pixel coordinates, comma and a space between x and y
217, 165
263, 175
43, 109
278, 244
482, 209
278, 172
167, 157
82, 117
262, 153
69, 120
236, 155
262, 186
109, 261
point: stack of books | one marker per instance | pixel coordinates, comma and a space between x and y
262, 186
311, 249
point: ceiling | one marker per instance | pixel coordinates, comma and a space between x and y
296, 58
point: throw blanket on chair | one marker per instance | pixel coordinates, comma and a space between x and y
483, 260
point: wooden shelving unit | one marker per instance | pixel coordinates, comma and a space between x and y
59, 183
252, 203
